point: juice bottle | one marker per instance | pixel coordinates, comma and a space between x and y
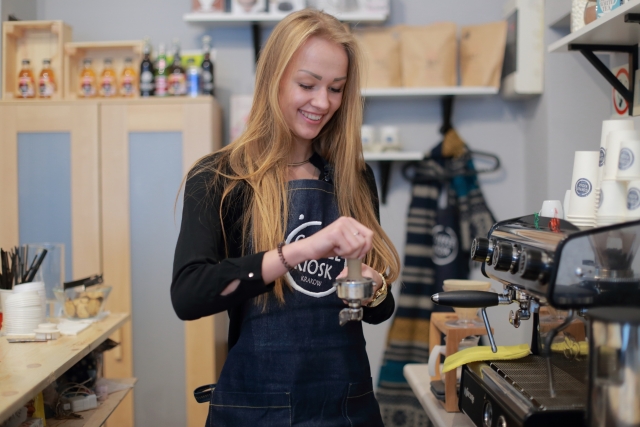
161, 72
177, 77
47, 80
129, 79
147, 71
193, 78
207, 67
26, 82
87, 80
108, 83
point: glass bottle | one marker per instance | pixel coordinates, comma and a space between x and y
207, 67
26, 82
87, 80
177, 77
47, 80
147, 77
193, 78
161, 72
108, 81
129, 79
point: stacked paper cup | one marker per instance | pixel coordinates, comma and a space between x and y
608, 126
582, 203
622, 166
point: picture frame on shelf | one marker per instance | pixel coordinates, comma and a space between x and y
208, 6
285, 7
246, 7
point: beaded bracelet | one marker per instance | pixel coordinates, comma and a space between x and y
284, 261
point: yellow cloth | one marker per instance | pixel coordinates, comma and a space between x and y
570, 347
481, 353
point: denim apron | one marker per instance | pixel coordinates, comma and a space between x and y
294, 365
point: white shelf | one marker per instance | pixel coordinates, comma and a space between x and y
610, 29
402, 92
391, 156
265, 18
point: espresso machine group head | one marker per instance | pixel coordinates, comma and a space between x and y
548, 261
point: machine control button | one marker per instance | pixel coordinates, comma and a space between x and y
487, 414
482, 249
533, 265
502, 422
502, 257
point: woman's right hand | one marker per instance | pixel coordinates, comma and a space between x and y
345, 237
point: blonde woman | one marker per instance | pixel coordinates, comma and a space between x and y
268, 223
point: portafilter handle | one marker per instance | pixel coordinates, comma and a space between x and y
473, 299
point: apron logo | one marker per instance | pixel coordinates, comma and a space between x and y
313, 277
445, 245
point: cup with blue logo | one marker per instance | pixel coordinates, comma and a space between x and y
633, 200
629, 161
582, 202
613, 202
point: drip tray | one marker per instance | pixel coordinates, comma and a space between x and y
529, 376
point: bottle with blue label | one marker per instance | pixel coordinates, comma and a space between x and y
193, 78
604, 6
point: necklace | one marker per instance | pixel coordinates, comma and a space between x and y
299, 163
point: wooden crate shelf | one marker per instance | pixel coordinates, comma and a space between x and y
33, 40
76, 52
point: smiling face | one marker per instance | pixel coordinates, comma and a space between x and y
310, 91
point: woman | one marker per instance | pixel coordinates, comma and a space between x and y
268, 223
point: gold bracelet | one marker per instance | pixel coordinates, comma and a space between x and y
380, 294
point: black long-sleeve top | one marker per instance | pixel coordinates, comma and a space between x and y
203, 267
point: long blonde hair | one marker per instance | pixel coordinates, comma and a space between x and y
259, 156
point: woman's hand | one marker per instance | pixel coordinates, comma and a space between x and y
345, 237
366, 272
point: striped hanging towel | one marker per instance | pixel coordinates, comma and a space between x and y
444, 217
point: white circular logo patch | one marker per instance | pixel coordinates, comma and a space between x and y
445, 245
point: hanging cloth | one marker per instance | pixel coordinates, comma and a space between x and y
444, 216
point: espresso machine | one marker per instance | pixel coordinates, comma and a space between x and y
594, 274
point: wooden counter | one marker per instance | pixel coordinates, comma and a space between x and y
27, 368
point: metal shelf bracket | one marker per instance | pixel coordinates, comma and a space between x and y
588, 50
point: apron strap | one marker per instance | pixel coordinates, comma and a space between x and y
203, 393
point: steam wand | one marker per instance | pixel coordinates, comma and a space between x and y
547, 344
473, 299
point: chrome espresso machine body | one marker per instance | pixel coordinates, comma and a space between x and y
546, 261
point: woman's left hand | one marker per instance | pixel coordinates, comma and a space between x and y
366, 272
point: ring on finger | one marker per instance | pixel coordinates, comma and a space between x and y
357, 233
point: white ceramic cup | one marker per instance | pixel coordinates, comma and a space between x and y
612, 158
389, 136
607, 127
368, 136
613, 200
552, 209
633, 200
585, 174
440, 350
206, 5
629, 161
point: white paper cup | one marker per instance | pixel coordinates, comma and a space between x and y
612, 158
629, 161
585, 175
633, 200
552, 209
613, 200
565, 203
607, 127
368, 136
